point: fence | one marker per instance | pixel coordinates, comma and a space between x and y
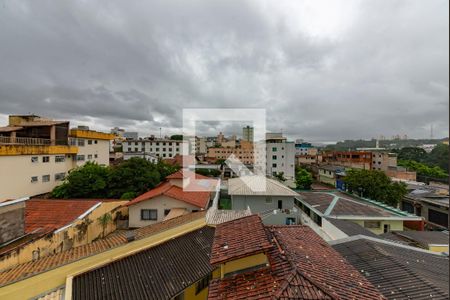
25, 141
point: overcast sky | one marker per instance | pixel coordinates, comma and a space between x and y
323, 70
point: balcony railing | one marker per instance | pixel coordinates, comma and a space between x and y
6, 140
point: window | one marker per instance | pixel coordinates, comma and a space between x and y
34, 159
268, 200
274, 157
386, 228
166, 212
73, 142
280, 204
149, 214
195, 210
60, 176
95, 142
80, 158
89, 142
202, 284
81, 142
274, 165
372, 224
89, 156
164, 149
46, 159
34, 179
274, 149
95, 155
45, 178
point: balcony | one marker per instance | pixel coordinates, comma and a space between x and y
29, 141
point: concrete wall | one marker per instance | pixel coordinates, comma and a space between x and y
395, 225
80, 233
12, 223
97, 151
16, 172
159, 203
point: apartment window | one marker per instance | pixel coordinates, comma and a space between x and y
95, 155
157, 149
372, 224
274, 157
164, 149
164, 155
90, 156
136, 150
268, 200
149, 214
60, 176
202, 284
45, 178
135, 143
80, 157
46, 159
129, 149
81, 142
34, 179
89, 142
34, 159
274, 165
95, 142
73, 142
274, 149
164, 144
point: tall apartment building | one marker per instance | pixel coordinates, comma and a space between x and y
244, 152
162, 148
383, 160
37, 153
247, 134
280, 156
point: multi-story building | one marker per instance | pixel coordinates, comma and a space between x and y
303, 148
349, 159
244, 152
162, 148
383, 160
248, 134
37, 153
280, 156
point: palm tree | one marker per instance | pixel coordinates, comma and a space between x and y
104, 220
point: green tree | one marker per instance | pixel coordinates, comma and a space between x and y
412, 153
375, 185
177, 137
208, 172
303, 179
423, 169
87, 181
135, 175
104, 220
165, 169
439, 157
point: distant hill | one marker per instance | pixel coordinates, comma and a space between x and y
389, 144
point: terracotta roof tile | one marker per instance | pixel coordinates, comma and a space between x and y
44, 264
199, 199
239, 238
302, 266
51, 214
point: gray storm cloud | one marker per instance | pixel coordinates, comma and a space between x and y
323, 70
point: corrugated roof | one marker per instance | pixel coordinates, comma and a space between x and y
425, 238
219, 216
399, 271
259, 186
44, 264
350, 228
160, 272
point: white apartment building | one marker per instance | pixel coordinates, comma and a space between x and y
36, 155
162, 148
280, 156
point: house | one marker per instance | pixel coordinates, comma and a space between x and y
317, 208
173, 193
398, 271
258, 261
175, 269
436, 241
52, 226
430, 202
264, 196
330, 174
48, 275
38, 153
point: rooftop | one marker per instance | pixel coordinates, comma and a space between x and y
219, 216
199, 199
51, 214
302, 266
258, 186
338, 204
154, 273
230, 242
424, 238
350, 228
116, 239
399, 271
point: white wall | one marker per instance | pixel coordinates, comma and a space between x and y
97, 151
285, 159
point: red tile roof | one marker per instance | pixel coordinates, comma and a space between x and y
199, 199
180, 175
51, 214
239, 238
302, 266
